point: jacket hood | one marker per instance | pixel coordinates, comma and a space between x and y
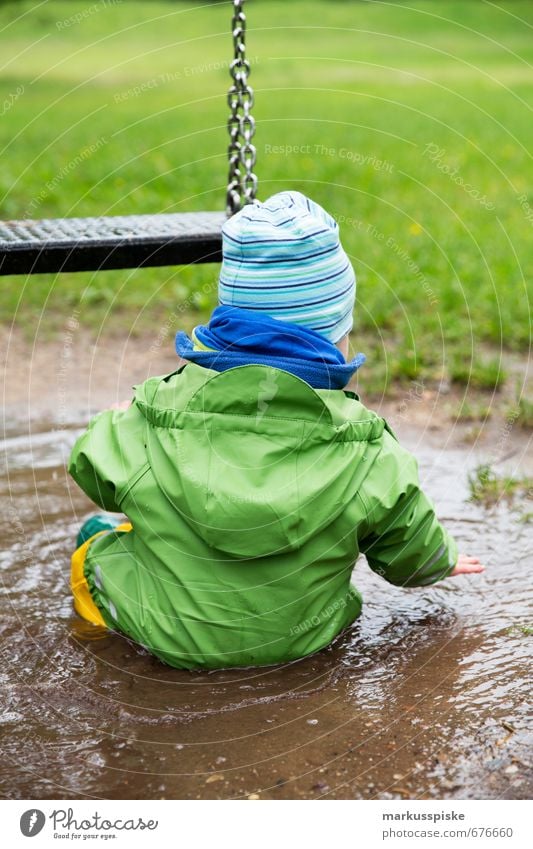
253, 458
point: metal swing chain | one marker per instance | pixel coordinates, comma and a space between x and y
242, 182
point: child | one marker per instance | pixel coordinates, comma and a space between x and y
251, 478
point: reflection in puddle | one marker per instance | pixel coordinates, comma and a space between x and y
423, 697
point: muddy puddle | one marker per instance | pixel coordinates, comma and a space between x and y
425, 697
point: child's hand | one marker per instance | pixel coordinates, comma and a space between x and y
467, 565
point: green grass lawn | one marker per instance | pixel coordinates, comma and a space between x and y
413, 126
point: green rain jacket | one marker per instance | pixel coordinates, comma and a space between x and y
251, 496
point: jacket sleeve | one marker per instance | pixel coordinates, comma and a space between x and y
97, 462
401, 536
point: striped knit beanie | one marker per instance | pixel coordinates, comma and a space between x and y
284, 257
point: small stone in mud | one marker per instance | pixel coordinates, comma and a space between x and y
510, 770
312, 721
220, 760
320, 787
95, 759
215, 777
254, 796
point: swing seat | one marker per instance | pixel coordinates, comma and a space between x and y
94, 244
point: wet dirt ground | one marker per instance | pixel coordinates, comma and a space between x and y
426, 696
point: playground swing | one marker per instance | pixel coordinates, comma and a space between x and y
132, 241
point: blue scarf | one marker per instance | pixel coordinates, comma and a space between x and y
239, 337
